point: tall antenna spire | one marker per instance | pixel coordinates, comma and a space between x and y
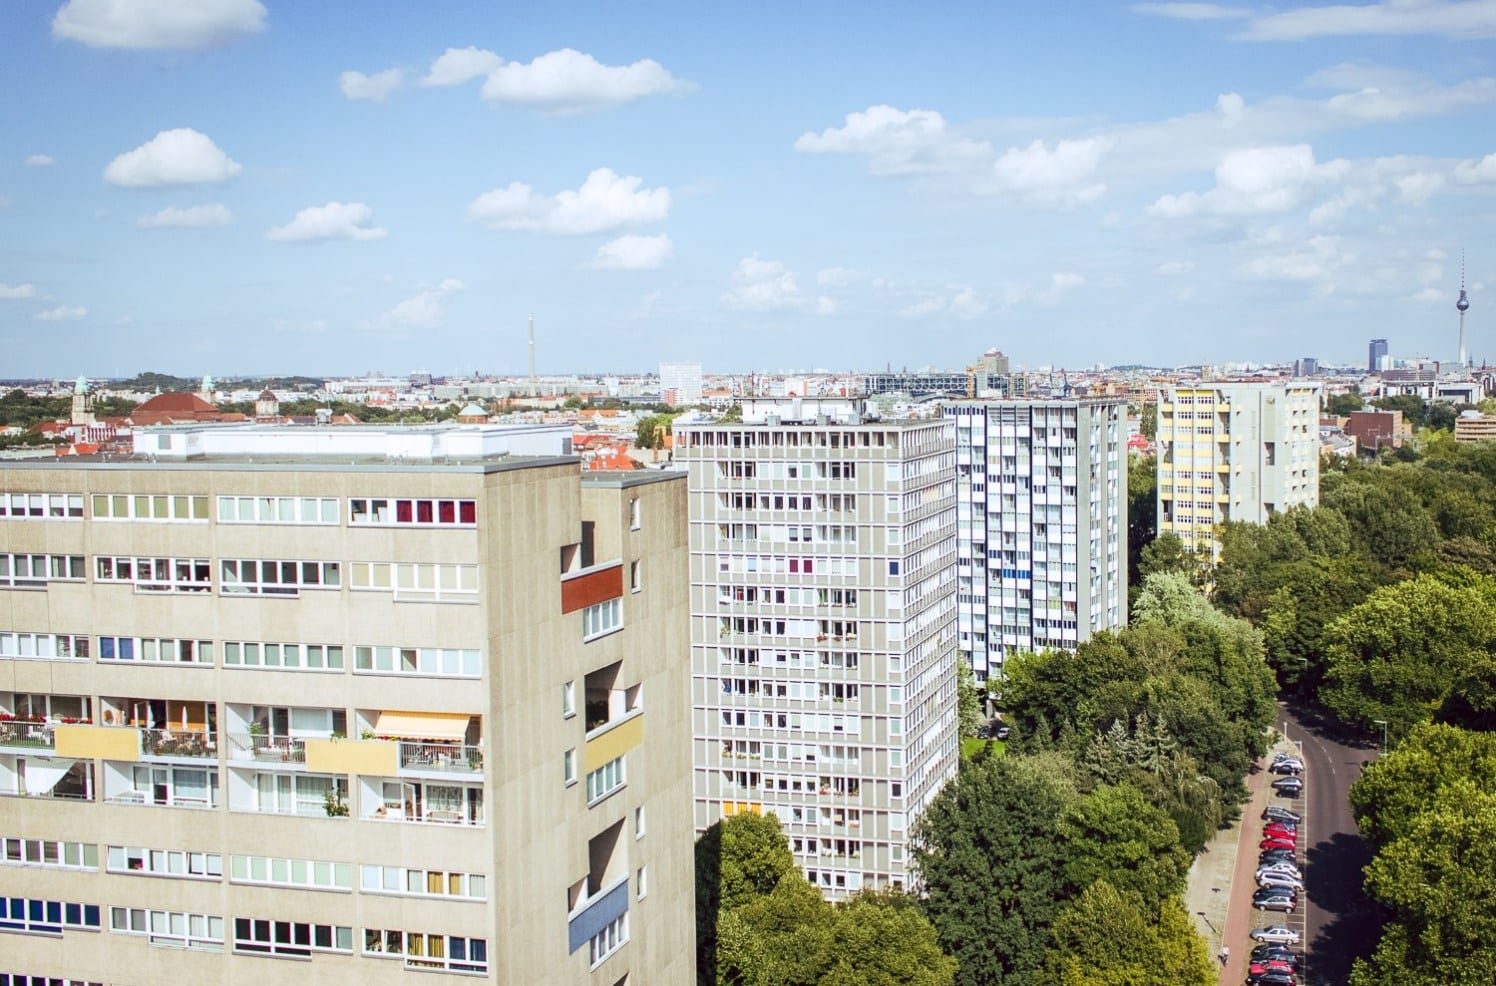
534, 387
1462, 306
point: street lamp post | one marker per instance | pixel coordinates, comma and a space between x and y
1383, 724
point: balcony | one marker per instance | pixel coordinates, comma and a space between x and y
172, 744
264, 749
29, 734
447, 758
46, 777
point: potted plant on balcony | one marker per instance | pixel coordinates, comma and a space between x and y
335, 806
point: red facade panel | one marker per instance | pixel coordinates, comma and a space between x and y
590, 589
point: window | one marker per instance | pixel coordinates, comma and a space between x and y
156, 650
569, 768
41, 506
428, 951
22, 571
635, 513
172, 929
277, 510
165, 862
47, 917
277, 871
635, 580
301, 938
609, 940
406, 882
247, 576
287, 657
21, 979
639, 822
568, 700
153, 507
436, 662
601, 618
391, 512
417, 582
49, 852
44, 646
641, 886
605, 780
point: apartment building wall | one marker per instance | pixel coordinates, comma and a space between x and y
1042, 525
531, 843
823, 632
1234, 452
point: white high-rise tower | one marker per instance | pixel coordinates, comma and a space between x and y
1462, 306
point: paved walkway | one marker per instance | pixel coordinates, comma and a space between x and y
1219, 890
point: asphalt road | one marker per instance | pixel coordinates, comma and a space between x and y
1341, 923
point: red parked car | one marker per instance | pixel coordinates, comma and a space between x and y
1280, 832
1276, 844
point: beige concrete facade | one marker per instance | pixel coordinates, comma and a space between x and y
462, 762
1234, 451
823, 621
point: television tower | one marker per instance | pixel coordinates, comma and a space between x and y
535, 388
1462, 306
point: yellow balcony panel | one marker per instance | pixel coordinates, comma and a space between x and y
330, 756
612, 743
731, 808
98, 742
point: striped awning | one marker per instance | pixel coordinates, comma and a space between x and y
423, 725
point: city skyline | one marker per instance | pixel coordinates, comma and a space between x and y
265, 188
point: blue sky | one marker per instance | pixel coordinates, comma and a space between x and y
253, 186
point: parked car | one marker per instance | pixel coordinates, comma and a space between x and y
1274, 977
1002, 732
1287, 828
1276, 813
1280, 832
1277, 934
1273, 899
1285, 868
1280, 881
1287, 765
1277, 844
1277, 856
1289, 786
1273, 952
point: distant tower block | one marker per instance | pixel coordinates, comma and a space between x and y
1462, 306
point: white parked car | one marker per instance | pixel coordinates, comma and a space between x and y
1279, 933
1279, 881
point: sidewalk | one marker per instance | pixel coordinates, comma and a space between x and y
1218, 893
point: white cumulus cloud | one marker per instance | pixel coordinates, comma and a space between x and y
455, 66
1064, 173
897, 142
1476, 172
333, 221
767, 286
12, 291
1254, 181
172, 157
374, 88
606, 201
570, 81
62, 313
634, 252
155, 24
196, 216
1459, 20
39, 160
425, 309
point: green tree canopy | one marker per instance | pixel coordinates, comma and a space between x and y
1114, 834
1109, 937
992, 868
1392, 790
1398, 655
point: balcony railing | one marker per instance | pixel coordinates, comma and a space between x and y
445, 757
267, 749
178, 743
33, 735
